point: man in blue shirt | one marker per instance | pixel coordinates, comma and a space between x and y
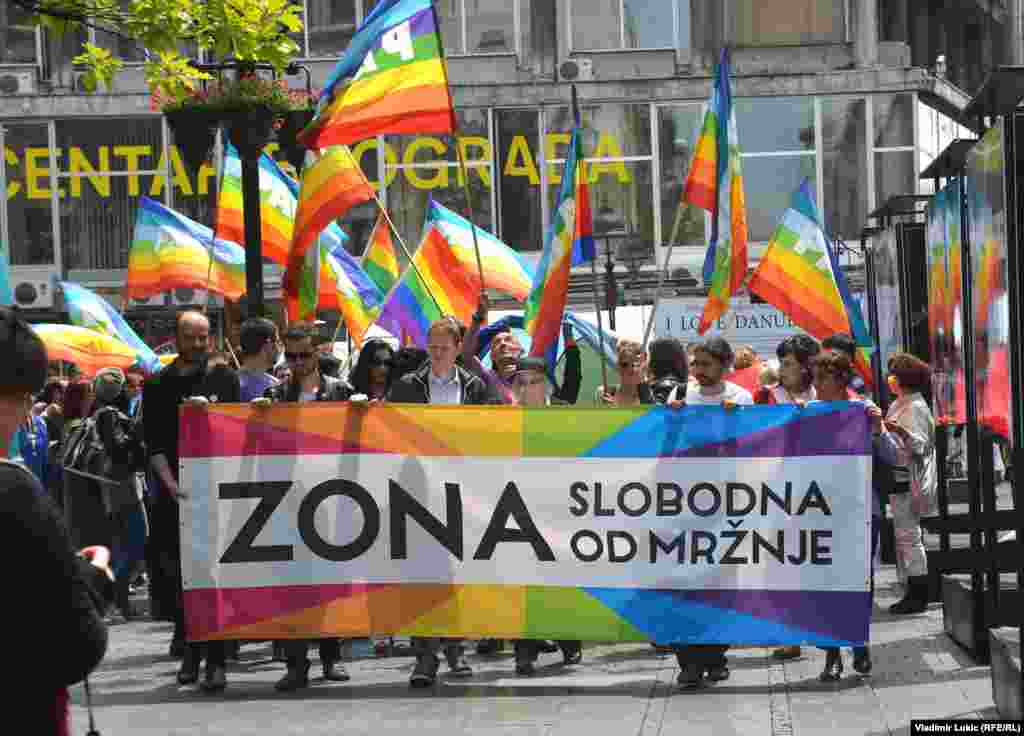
260, 345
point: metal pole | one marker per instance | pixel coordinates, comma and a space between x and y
600, 325
663, 271
253, 235
469, 206
611, 293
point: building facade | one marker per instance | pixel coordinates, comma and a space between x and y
855, 95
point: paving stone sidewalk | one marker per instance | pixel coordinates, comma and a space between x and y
618, 690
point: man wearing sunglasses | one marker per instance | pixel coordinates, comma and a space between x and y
308, 384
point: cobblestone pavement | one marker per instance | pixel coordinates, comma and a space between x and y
618, 689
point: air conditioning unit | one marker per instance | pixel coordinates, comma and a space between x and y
33, 293
18, 82
576, 70
194, 298
153, 301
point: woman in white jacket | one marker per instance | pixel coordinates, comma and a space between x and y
906, 440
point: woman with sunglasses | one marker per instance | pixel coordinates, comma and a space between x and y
532, 387
632, 388
373, 373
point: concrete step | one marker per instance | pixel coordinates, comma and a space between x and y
1007, 687
958, 612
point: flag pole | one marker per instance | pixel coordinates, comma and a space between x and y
398, 236
216, 212
600, 326
581, 172
663, 271
458, 148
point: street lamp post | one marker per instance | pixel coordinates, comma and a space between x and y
610, 227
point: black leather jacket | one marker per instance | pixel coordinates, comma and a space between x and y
414, 388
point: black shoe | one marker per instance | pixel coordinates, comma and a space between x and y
717, 672
690, 676
916, 599
425, 672
177, 649
862, 660
233, 650
216, 679
489, 646
335, 672
458, 667
547, 647
122, 599
525, 667
833, 666
189, 672
572, 654
296, 678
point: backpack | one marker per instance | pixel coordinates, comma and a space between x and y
85, 455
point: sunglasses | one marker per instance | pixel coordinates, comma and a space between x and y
296, 357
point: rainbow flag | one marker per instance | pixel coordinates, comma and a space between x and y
330, 186
570, 241
446, 267
279, 197
799, 274
170, 251
88, 349
380, 261
88, 309
715, 184
392, 79
347, 288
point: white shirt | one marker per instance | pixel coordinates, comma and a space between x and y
445, 390
731, 393
783, 396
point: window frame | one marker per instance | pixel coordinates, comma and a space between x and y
37, 34
677, 46
517, 32
728, 19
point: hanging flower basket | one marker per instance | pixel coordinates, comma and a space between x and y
250, 129
194, 133
293, 123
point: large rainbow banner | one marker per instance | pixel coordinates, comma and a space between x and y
747, 526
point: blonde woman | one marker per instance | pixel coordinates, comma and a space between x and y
632, 388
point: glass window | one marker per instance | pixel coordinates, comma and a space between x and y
411, 190
895, 174
123, 48
786, 22
596, 24
474, 138
609, 130
17, 36
649, 24
620, 194
845, 165
678, 128
331, 24
927, 130
894, 120
768, 186
519, 200
491, 26
29, 211
96, 230
109, 144
768, 124
449, 13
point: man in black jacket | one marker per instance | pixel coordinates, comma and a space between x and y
308, 384
183, 381
440, 381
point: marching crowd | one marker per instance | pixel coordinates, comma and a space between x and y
103, 457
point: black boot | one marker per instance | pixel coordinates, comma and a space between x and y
833, 665
296, 678
862, 660
916, 598
189, 672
